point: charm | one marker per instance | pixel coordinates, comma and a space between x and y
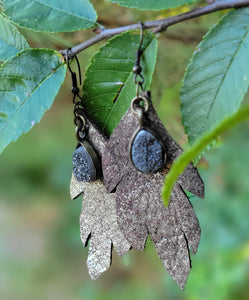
86, 163
86, 166
147, 152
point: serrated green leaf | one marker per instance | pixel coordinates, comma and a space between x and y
217, 78
51, 15
199, 146
151, 4
29, 83
11, 40
205, 150
109, 87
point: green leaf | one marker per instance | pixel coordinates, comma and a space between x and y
29, 83
109, 87
11, 40
152, 4
199, 146
51, 15
217, 78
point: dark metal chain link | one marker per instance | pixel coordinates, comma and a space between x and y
78, 109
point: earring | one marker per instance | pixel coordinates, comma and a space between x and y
147, 151
128, 158
86, 164
98, 220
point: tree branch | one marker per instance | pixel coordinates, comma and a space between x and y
158, 25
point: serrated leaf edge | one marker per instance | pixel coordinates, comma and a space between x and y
50, 74
11, 24
170, 6
197, 147
191, 61
94, 23
219, 23
115, 95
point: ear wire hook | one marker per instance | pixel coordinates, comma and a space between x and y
137, 69
75, 89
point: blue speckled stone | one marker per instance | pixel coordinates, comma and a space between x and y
147, 152
83, 166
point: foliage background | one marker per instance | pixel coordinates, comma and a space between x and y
41, 255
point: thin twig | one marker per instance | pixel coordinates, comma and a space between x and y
158, 25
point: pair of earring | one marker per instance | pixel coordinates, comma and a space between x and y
121, 179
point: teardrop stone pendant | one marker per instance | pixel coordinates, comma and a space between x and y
146, 151
86, 165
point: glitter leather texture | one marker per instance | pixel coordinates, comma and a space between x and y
139, 205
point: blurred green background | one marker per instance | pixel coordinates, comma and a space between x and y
41, 255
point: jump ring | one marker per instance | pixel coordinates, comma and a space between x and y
136, 104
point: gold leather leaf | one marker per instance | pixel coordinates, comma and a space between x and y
98, 219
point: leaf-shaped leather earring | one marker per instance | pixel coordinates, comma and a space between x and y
140, 211
134, 166
98, 219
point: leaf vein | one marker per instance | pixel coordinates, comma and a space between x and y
225, 74
25, 100
63, 11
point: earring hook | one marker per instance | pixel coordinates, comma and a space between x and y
68, 58
141, 35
